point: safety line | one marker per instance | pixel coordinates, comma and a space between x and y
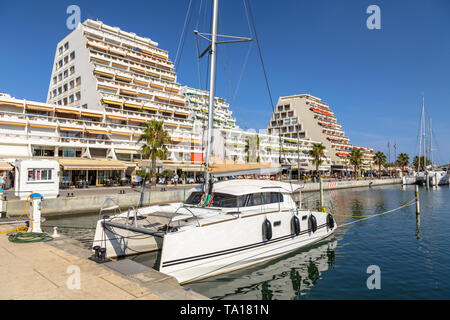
366, 217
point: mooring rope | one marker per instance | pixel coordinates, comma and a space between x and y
366, 217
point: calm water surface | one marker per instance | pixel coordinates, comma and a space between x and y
414, 261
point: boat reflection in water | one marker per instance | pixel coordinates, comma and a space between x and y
289, 277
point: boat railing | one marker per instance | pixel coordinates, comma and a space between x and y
109, 204
177, 212
134, 215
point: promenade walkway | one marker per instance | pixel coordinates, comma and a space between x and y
49, 271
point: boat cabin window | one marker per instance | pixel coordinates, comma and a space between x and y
222, 200
194, 198
257, 199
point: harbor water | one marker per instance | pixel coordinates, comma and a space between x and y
411, 261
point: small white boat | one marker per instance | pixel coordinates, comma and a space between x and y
445, 177
409, 179
243, 223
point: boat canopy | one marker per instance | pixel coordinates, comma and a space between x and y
240, 187
237, 169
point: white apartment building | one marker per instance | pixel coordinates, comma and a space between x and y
304, 116
105, 84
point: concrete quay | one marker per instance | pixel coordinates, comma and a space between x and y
91, 200
346, 184
60, 270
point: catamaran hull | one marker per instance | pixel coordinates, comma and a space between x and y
121, 242
407, 180
445, 180
194, 255
218, 246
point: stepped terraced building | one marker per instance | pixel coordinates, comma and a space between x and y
105, 84
307, 117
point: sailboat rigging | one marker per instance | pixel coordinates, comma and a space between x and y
222, 226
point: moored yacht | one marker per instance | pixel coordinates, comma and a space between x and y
242, 222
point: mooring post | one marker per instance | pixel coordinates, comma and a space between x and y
36, 203
427, 181
2, 209
417, 201
322, 208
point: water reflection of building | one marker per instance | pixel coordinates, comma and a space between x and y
288, 277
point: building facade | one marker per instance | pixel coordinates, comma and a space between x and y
105, 85
307, 117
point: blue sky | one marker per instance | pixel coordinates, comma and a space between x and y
372, 79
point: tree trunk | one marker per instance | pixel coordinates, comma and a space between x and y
153, 179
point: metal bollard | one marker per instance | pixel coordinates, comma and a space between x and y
102, 254
97, 252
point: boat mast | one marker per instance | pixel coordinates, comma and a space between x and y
212, 89
422, 136
431, 145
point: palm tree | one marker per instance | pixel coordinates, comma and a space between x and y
379, 159
356, 159
317, 152
247, 149
403, 160
422, 163
155, 139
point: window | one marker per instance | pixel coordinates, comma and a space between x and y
287, 107
60, 77
287, 121
39, 151
294, 121
66, 73
290, 113
60, 50
54, 93
78, 81
277, 115
60, 90
60, 63
55, 80
71, 85
230, 201
72, 55
257, 199
69, 153
65, 87
72, 70
66, 46
194, 198
223, 200
280, 108
78, 96
39, 175
71, 99
66, 59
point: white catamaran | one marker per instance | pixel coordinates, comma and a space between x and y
222, 226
